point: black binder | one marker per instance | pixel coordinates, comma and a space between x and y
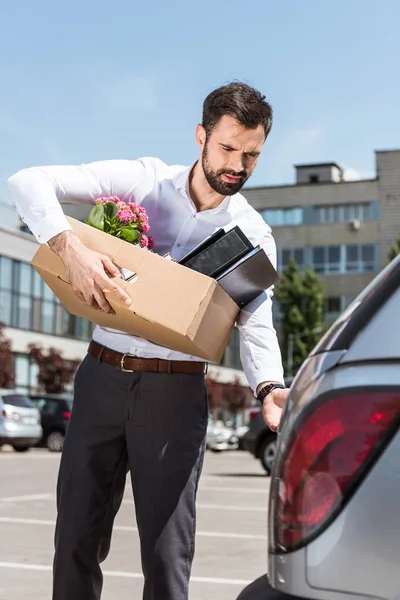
230, 258
248, 278
218, 252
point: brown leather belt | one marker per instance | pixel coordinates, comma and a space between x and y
130, 363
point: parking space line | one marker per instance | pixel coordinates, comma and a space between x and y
48, 568
27, 498
201, 505
215, 534
224, 507
234, 489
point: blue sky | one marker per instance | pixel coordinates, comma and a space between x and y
85, 80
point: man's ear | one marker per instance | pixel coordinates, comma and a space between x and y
201, 136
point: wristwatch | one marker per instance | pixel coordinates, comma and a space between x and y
263, 393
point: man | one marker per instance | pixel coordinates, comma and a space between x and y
150, 416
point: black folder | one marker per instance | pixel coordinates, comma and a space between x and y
249, 277
243, 271
218, 252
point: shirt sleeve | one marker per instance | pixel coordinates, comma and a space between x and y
259, 348
38, 192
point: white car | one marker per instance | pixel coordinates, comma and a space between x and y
220, 437
19, 421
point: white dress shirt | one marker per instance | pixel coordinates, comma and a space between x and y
176, 226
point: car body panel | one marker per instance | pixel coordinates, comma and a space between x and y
21, 425
52, 408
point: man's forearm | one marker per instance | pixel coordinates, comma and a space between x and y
63, 242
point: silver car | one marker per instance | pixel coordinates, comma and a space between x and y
334, 513
220, 437
19, 421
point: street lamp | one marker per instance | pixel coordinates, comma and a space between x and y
296, 336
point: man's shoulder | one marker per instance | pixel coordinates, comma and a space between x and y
161, 169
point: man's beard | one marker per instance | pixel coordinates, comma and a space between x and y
215, 181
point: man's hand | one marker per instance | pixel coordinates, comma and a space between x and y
273, 405
88, 272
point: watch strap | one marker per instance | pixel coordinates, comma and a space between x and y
267, 389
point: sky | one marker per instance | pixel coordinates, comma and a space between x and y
85, 80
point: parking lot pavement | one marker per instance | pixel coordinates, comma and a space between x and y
231, 539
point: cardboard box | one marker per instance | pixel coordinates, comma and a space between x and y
172, 306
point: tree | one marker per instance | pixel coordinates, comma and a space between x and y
7, 369
301, 302
233, 397
54, 371
394, 250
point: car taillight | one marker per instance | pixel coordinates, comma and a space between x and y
253, 412
328, 453
66, 414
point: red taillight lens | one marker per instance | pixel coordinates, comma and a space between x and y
253, 412
329, 450
66, 414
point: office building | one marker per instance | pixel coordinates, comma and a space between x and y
343, 229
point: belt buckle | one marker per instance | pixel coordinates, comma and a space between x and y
123, 360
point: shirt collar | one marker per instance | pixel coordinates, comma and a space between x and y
182, 186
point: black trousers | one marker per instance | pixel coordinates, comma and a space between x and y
154, 426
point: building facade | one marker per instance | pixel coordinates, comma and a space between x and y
342, 229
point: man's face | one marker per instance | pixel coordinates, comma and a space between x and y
229, 154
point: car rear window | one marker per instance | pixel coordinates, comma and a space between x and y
16, 400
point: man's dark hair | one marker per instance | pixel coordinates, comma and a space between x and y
246, 104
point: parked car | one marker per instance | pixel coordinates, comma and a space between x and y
259, 440
334, 516
55, 412
220, 437
19, 421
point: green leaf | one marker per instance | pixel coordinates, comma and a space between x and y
96, 217
128, 234
110, 210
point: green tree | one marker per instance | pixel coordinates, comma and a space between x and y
301, 302
394, 250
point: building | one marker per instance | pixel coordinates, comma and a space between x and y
343, 229
33, 314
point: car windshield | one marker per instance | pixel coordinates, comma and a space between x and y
17, 400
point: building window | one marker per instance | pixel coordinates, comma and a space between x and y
26, 302
345, 213
283, 217
334, 306
284, 256
361, 259
344, 259
313, 178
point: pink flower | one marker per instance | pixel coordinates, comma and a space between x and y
144, 241
125, 214
151, 243
145, 227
